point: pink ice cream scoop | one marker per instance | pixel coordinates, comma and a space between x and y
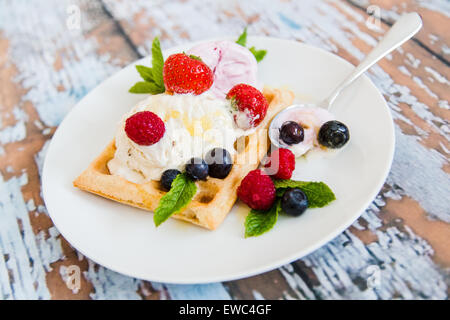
231, 64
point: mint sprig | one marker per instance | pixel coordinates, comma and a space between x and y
259, 54
146, 73
259, 222
157, 64
144, 87
179, 196
318, 193
242, 40
153, 77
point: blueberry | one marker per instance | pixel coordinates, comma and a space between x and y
197, 169
333, 134
167, 178
219, 162
294, 202
291, 133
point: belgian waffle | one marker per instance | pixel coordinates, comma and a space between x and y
214, 197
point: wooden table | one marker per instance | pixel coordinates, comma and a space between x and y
52, 53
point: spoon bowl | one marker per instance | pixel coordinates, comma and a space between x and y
280, 118
404, 29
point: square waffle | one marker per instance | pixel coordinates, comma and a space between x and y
214, 197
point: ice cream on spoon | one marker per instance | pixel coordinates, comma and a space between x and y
313, 125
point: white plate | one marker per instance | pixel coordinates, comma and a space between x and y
124, 239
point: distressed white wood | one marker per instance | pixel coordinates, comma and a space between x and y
323, 25
34, 44
26, 257
83, 69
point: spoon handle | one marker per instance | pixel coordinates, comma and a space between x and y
401, 31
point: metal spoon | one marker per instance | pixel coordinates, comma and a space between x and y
405, 27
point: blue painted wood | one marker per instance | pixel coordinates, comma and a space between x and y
23, 265
214, 291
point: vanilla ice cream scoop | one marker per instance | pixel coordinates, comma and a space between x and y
231, 64
194, 124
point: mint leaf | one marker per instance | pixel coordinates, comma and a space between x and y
318, 193
154, 82
179, 196
259, 222
144, 87
242, 40
259, 54
157, 64
145, 72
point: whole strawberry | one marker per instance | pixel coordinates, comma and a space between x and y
186, 74
144, 128
257, 190
251, 104
280, 163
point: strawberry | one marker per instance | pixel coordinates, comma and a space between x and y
186, 74
250, 103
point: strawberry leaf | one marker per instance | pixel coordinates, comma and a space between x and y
195, 57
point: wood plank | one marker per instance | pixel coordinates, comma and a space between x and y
434, 13
415, 84
45, 68
71, 63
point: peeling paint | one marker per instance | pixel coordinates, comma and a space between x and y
214, 291
436, 5
437, 75
110, 285
27, 256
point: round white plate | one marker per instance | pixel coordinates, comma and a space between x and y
125, 239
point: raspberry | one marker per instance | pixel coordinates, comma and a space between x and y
281, 163
144, 128
257, 190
